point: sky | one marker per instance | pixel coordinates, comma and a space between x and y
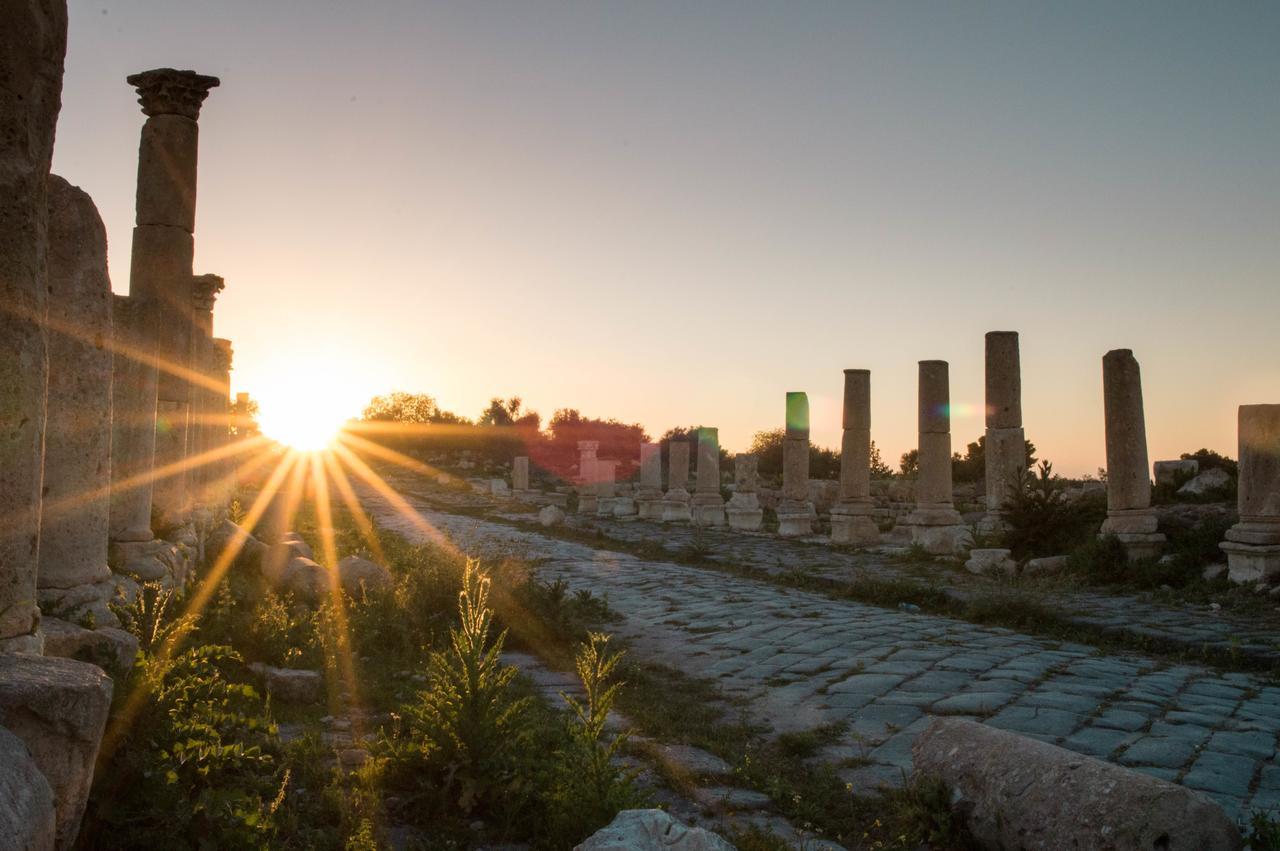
674, 213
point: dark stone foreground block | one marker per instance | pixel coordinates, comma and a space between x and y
1022, 793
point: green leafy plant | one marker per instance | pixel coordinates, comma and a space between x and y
1042, 522
152, 616
469, 720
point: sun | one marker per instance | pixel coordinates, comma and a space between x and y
304, 403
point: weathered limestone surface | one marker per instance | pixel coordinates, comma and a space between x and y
675, 504
1253, 545
223, 474
27, 815
651, 830
133, 417
77, 456
1167, 472
649, 495
520, 475
935, 524
1017, 792
58, 707
31, 58
1129, 514
707, 505
851, 521
743, 511
606, 487
163, 249
796, 513
204, 397
1006, 453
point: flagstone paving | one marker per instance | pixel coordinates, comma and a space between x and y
803, 659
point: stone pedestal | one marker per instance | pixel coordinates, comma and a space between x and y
851, 521
743, 512
796, 513
935, 524
1129, 514
77, 456
35, 38
707, 505
1006, 446
675, 503
520, 478
606, 488
649, 496
160, 270
1253, 545
587, 493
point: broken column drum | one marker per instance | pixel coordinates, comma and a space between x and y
851, 521
606, 487
160, 272
707, 505
520, 475
796, 513
1006, 444
587, 492
743, 511
935, 524
1253, 545
675, 504
1129, 514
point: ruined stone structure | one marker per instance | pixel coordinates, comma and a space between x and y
851, 521
520, 476
649, 496
1129, 514
743, 511
204, 396
160, 273
31, 68
587, 493
133, 430
675, 504
223, 470
606, 487
1253, 544
796, 513
707, 505
1006, 450
74, 578
935, 524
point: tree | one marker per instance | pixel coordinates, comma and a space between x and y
879, 469
767, 447
401, 407
909, 464
1209, 460
244, 416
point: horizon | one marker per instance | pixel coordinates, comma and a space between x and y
514, 202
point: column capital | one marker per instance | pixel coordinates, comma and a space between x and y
205, 289
164, 91
222, 353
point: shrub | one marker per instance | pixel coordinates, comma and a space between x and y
469, 724
1042, 522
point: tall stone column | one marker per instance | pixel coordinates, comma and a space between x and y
220, 433
649, 496
587, 476
133, 430
1253, 545
163, 246
74, 577
935, 524
1129, 514
1006, 450
675, 504
520, 476
796, 513
743, 511
35, 43
851, 521
204, 292
707, 505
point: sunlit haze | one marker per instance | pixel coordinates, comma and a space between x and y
673, 213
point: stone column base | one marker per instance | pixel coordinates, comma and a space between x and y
649, 505
857, 529
80, 603
675, 507
707, 509
1250, 563
1136, 530
992, 523
795, 519
744, 519
941, 540
604, 505
587, 504
624, 506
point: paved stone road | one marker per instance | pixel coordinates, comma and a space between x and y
803, 660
